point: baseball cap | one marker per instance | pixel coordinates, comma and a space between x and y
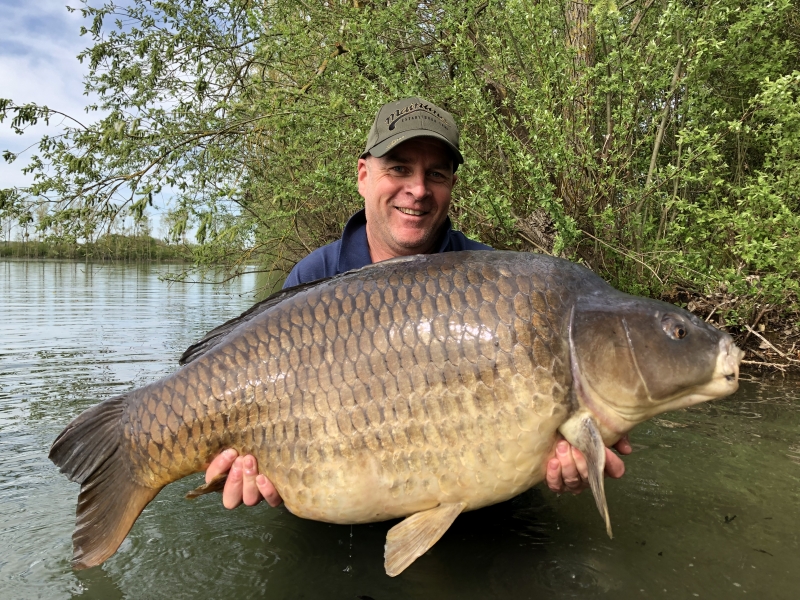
402, 120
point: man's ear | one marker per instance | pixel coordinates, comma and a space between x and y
455, 178
361, 174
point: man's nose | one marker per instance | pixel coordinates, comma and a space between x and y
417, 185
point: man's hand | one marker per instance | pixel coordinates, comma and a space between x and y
568, 471
244, 484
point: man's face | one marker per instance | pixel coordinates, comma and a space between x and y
406, 197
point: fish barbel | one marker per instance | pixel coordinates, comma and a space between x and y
419, 387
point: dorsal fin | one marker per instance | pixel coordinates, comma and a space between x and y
215, 336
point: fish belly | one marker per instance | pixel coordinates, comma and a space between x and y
375, 486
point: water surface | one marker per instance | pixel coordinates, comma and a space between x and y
708, 508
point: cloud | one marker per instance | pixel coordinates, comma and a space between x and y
39, 45
39, 42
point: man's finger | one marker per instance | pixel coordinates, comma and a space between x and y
250, 494
581, 465
232, 494
268, 490
623, 446
569, 470
614, 466
221, 463
554, 480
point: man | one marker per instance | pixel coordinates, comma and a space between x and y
406, 176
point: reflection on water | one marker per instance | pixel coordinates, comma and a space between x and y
708, 507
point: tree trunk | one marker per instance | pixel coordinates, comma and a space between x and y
577, 108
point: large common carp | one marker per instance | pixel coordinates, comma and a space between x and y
418, 387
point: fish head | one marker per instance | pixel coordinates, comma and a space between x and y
633, 358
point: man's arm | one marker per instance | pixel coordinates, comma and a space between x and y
321, 263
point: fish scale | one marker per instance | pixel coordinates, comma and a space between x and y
410, 360
420, 386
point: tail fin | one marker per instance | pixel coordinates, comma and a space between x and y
88, 451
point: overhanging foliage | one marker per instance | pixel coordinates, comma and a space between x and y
657, 142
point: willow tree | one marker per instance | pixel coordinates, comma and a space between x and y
656, 142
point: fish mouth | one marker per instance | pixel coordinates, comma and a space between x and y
730, 358
725, 379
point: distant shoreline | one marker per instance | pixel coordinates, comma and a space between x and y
110, 247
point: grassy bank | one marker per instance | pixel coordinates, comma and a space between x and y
109, 247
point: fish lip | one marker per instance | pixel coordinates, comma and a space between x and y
732, 356
728, 360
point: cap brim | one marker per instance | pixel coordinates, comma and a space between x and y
387, 144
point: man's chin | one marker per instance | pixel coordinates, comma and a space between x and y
419, 245
415, 235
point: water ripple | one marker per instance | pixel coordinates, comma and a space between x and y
708, 507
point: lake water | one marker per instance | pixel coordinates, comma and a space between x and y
709, 507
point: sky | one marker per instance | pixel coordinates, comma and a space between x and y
39, 44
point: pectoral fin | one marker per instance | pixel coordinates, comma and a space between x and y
215, 485
412, 537
584, 435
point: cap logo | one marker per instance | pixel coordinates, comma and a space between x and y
394, 117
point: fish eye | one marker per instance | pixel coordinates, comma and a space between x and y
674, 327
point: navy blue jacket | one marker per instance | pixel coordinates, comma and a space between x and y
352, 251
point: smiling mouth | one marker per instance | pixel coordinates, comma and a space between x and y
411, 211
